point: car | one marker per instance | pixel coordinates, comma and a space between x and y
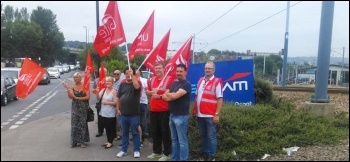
54, 72
45, 79
11, 72
60, 68
146, 74
66, 68
72, 67
8, 90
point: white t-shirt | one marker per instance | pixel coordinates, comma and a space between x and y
218, 93
143, 98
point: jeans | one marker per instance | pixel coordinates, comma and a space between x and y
133, 122
207, 132
178, 129
143, 115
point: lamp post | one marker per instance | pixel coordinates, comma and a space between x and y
86, 35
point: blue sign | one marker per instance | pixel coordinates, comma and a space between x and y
237, 77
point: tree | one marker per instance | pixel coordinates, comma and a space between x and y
214, 52
53, 40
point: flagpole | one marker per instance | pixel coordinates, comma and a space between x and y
145, 59
163, 79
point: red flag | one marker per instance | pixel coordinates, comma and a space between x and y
88, 69
111, 32
102, 78
143, 43
29, 77
158, 54
182, 56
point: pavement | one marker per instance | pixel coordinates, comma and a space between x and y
47, 139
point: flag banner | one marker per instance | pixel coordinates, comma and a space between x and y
87, 73
29, 77
182, 56
143, 43
237, 79
158, 54
102, 78
111, 32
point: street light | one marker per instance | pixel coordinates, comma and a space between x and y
86, 35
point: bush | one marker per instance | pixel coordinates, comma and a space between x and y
252, 131
263, 91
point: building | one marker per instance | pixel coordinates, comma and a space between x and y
338, 75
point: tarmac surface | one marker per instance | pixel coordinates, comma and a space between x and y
47, 139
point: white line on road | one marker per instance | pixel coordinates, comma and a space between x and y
19, 122
13, 126
24, 118
5, 123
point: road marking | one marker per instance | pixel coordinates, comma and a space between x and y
13, 126
2, 127
48, 96
5, 123
19, 122
10, 120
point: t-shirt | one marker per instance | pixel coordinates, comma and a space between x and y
129, 98
143, 99
181, 105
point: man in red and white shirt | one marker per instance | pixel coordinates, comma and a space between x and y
207, 106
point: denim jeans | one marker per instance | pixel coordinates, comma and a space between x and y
132, 122
207, 132
178, 129
143, 115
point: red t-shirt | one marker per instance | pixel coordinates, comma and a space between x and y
158, 105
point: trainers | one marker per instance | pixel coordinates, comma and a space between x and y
121, 154
164, 158
141, 145
136, 154
153, 156
211, 159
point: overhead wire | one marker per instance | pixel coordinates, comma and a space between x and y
249, 26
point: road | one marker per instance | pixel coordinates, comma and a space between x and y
37, 128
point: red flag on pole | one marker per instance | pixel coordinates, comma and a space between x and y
158, 54
143, 43
182, 56
102, 78
87, 74
111, 32
29, 77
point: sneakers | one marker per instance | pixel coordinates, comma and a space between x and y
141, 145
136, 154
121, 154
153, 156
164, 158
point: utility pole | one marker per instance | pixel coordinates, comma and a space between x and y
264, 65
97, 25
342, 69
284, 68
86, 36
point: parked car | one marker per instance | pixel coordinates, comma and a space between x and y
146, 74
11, 72
60, 68
54, 72
72, 67
45, 79
66, 68
8, 90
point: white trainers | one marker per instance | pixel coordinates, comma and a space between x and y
136, 154
121, 154
153, 156
164, 158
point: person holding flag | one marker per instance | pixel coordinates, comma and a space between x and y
80, 105
159, 113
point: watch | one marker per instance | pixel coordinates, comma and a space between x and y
217, 113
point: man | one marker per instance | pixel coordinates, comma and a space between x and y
117, 81
128, 107
178, 97
207, 106
96, 90
159, 114
143, 108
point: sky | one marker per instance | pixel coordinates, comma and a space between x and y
224, 25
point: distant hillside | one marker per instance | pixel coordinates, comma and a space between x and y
313, 60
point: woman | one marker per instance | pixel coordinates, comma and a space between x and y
80, 104
108, 111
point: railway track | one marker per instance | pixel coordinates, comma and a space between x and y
311, 89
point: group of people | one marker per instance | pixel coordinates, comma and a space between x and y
125, 104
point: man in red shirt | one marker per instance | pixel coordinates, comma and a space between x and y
159, 113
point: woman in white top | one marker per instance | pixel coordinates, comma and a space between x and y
108, 111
